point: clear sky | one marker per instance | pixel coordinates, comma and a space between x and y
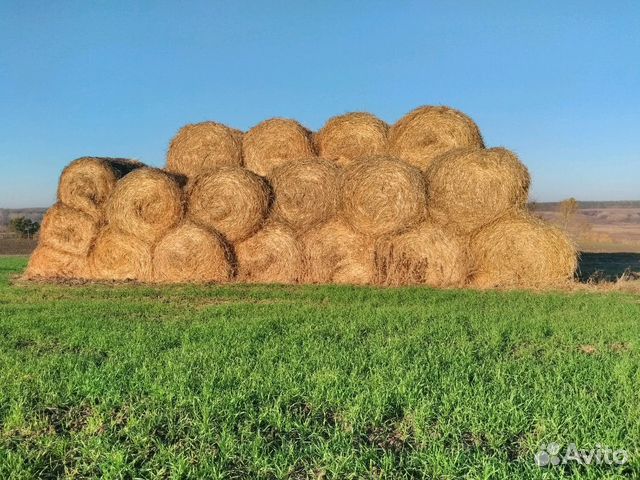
557, 82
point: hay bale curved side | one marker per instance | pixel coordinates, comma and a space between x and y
274, 142
200, 147
230, 200
348, 137
335, 253
86, 183
48, 263
146, 204
429, 131
272, 255
117, 255
521, 251
470, 188
427, 255
190, 253
305, 193
382, 195
68, 230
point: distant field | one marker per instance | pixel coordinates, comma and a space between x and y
311, 382
17, 246
600, 228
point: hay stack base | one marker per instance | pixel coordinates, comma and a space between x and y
117, 255
521, 251
47, 263
190, 253
426, 255
272, 255
335, 253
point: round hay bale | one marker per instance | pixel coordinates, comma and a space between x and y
521, 251
87, 183
427, 255
352, 136
147, 203
200, 147
272, 255
382, 195
335, 253
427, 132
49, 263
305, 192
230, 200
117, 255
469, 188
274, 142
68, 230
190, 253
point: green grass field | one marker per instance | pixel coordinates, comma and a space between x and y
311, 382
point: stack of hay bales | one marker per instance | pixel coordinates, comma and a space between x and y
358, 202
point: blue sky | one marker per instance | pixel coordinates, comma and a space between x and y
557, 82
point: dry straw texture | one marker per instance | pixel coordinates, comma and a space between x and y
427, 132
335, 253
349, 137
86, 183
382, 195
521, 251
426, 255
469, 188
147, 203
272, 255
230, 200
190, 253
200, 147
68, 230
49, 263
305, 192
117, 255
274, 142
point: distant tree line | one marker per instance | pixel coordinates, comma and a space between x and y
25, 227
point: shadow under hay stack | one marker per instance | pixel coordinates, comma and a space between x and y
421, 202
